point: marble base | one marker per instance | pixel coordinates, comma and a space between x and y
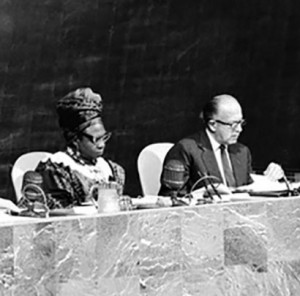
232, 249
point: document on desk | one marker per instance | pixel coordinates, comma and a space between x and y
151, 201
263, 186
9, 205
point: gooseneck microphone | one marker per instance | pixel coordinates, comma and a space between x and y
174, 179
34, 195
32, 186
174, 175
208, 179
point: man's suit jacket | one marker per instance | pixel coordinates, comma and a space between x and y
196, 154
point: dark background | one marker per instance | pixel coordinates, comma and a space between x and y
155, 63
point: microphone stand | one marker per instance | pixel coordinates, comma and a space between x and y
290, 192
213, 187
176, 200
173, 178
209, 179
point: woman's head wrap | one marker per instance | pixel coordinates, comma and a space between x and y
77, 109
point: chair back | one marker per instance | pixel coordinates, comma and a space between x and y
150, 163
24, 163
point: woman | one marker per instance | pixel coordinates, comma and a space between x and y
69, 175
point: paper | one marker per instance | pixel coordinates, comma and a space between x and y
9, 205
151, 201
85, 210
244, 197
262, 183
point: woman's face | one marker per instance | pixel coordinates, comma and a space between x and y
92, 140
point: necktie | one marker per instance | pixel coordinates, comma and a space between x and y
226, 167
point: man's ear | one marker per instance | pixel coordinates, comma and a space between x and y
211, 125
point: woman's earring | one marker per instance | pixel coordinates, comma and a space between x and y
76, 145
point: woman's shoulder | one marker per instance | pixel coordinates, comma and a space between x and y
115, 165
59, 158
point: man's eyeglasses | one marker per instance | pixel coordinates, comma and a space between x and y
233, 124
95, 140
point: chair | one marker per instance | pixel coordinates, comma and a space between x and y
25, 162
150, 162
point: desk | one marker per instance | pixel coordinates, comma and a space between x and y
231, 249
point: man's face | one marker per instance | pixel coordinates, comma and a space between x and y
227, 123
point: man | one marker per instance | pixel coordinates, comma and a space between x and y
214, 152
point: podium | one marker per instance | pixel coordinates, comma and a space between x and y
234, 248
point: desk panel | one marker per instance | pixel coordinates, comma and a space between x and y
242, 248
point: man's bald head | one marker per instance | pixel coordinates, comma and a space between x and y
223, 118
218, 105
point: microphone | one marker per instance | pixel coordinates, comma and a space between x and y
290, 191
34, 195
32, 186
173, 176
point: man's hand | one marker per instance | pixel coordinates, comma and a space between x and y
274, 172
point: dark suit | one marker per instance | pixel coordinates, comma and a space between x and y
196, 154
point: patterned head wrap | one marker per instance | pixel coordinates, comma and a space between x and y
77, 109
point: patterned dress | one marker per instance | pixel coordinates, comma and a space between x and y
68, 178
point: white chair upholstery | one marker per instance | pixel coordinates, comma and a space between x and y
150, 163
25, 162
